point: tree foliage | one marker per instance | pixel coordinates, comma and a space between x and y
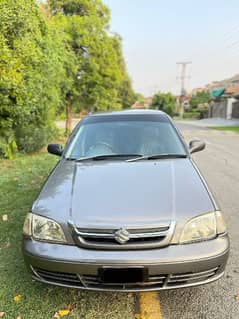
31, 71
102, 81
61, 54
200, 98
140, 97
165, 102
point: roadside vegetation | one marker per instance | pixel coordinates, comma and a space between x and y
20, 182
56, 57
198, 106
226, 128
165, 102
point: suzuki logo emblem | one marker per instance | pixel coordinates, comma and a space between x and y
122, 236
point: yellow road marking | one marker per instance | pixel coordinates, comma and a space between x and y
149, 305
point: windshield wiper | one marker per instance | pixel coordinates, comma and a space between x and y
157, 156
105, 156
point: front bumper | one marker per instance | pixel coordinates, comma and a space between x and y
170, 267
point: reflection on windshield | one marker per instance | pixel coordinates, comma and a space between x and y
125, 137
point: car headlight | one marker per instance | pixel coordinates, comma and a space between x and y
203, 227
42, 228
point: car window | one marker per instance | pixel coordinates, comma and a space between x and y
144, 137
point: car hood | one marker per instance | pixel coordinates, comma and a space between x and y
123, 194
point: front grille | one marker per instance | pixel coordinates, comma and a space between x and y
156, 281
92, 281
127, 239
179, 279
61, 278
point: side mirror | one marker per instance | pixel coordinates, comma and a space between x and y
55, 149
196, 146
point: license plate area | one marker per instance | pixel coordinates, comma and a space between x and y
120, 275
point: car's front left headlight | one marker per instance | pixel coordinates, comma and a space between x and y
203, 227
42, 228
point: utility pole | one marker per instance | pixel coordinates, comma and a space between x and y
182, 78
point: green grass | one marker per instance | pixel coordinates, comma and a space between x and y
226, 128
20, 182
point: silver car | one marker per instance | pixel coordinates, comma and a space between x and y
125, 209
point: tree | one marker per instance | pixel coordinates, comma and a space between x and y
200, 98
56, 56
101, 81
140, 98
126, 94
165, 102
83, 24
30, 74
127, 97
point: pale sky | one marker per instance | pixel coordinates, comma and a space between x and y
158, 33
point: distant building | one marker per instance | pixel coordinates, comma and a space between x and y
225, 97
224, 84
213, 85
225, 94
232, 90
199, 90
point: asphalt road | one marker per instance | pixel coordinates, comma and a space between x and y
219, 164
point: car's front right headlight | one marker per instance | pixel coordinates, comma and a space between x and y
203, 227
43, 228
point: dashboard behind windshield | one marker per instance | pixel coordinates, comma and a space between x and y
105, 135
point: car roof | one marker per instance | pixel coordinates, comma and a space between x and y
129, 112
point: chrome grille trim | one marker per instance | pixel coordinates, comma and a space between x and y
196, 274
179, 279
94, 281
146, 238
154, 282
68, 279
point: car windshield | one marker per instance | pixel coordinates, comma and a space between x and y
125, 135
